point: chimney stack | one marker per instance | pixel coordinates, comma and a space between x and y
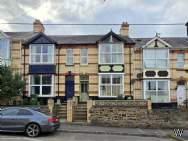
124, 30
38, 26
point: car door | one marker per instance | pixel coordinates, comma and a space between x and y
8, 119
24, 116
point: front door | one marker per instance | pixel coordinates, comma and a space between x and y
69, 87
181, 94
84, 86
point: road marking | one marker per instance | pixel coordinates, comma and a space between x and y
19, 138
141, 131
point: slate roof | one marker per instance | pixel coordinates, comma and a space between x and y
63, 39
21, 35
175, 42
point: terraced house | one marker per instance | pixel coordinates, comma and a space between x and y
98, 66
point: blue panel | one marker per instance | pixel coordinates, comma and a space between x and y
69, 87
41, 69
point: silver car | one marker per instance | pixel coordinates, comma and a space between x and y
18, 119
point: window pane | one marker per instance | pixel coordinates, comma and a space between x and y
35, 90
148, 64
84, 52
105, 90
35, 58
69, 57
105, 79
162, 64
150, 85
46, 79
35, 79
105, 48
180, 57
163, 85
149, 53
163, 96
45, 49
84, 60
180, 64
117, 58
70, 61
117, 79
10, 112
105, 58
4, 48
117, 90
24, 112
46, 90
161, 54
117, 48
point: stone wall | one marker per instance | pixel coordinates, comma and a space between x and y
136, 114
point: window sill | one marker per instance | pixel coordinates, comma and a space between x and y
84, 65
181, 69
69, 65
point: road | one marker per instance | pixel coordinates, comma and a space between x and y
60, 136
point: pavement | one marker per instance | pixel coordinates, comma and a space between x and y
63, 136
83, 132
87, 129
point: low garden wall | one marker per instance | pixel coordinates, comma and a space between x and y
136, 114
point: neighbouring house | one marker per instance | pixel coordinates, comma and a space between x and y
98, 66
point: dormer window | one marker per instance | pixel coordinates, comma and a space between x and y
111, 53
41, 54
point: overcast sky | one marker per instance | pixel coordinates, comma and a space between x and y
97, 11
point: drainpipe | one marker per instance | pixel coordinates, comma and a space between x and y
58, 68
24, 69
130, 69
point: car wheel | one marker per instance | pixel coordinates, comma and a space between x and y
32, 130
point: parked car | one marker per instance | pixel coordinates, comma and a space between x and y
32, 122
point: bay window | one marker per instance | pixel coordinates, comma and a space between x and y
156, 58
41, 54
111, 53
41, 85
157, 90
111, 85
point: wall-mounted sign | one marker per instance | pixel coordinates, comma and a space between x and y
118, 68
110, 68
104, 68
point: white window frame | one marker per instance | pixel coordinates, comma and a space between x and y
41, 54
154, 58
156, 80
111, 74
111, 53
85, 56
40, 85
67, 57
183, 61
5, 60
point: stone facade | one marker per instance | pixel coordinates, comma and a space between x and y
123, 113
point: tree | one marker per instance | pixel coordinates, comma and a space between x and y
11, 84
